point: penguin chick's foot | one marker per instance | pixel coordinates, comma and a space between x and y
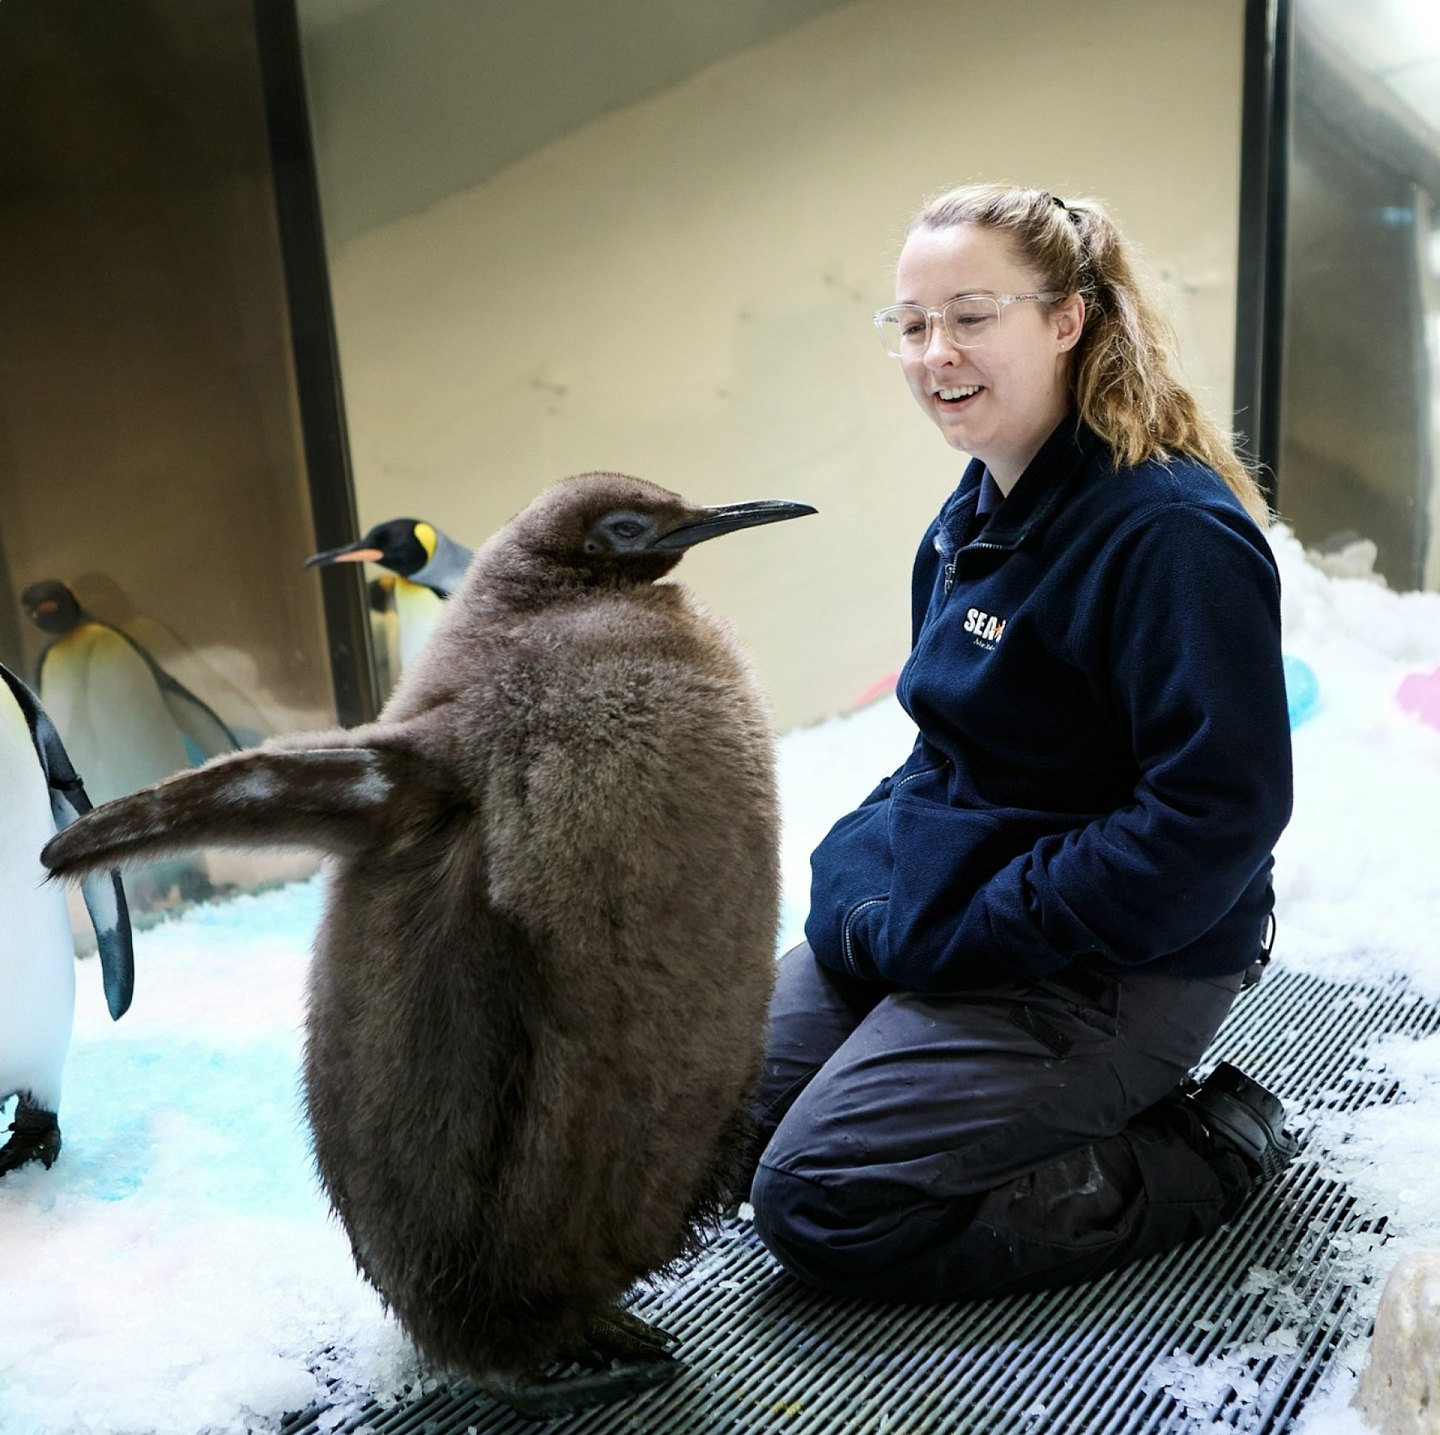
620, 1356
36, 1138
618, 1335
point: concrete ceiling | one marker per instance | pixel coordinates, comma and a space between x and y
414, 100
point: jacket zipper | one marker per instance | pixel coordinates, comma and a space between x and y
846, 945
950, 566
923, 772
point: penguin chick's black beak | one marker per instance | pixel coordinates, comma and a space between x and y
712, 522
360, 552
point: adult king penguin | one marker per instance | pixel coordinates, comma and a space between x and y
537, 1001
428, 566
127, 721
37, 952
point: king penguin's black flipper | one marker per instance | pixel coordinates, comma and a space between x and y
104, 895
204, 732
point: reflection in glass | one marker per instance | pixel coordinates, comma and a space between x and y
154, 510
126, 721
425, 566
1359, 396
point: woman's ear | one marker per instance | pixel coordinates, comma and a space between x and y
1069, 317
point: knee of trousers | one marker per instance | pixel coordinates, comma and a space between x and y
829, 1237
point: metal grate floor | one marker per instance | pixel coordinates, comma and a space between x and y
1227, 1334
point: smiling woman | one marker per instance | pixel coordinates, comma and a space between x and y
1023, 940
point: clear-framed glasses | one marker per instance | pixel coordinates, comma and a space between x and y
967, 321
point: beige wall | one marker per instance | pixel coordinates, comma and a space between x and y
681, 288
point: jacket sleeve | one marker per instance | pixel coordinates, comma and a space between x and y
860, 835
1187, 655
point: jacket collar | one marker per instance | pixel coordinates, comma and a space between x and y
1031, 503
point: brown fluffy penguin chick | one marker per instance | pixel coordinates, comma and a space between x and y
538, 994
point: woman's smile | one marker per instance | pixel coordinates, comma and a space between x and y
955, 398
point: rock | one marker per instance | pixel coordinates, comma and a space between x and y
1399, 1390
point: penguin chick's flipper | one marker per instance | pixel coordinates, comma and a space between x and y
333, 798
36, 1138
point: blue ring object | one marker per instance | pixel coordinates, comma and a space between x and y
1302, 689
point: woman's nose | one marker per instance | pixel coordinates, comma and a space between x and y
938, 348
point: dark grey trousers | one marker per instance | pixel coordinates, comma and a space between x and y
932, 1148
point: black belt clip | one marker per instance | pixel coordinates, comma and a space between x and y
1256, 969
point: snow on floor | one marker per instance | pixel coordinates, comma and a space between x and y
177, 1271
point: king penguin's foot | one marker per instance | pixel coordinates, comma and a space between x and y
36, 1138
620, 1356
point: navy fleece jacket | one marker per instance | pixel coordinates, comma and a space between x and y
1103, 763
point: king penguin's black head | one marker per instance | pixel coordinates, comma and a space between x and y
51, 606
608, 528
403, 545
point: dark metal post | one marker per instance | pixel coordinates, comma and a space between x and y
1260, 289
317, 363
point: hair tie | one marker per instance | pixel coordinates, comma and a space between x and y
1073, 214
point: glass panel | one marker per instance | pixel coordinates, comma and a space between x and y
150, 471
1357, 466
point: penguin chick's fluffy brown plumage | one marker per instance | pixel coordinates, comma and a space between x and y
538, 993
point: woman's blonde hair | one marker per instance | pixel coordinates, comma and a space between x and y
1124, 378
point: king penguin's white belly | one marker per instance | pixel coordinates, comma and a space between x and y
37, 953
418, 610
102, 697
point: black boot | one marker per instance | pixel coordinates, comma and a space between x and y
1240, 1113
1236, 1125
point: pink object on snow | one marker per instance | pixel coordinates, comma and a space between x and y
878, 689
1420, 694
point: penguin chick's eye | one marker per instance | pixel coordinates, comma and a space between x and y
620, 533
